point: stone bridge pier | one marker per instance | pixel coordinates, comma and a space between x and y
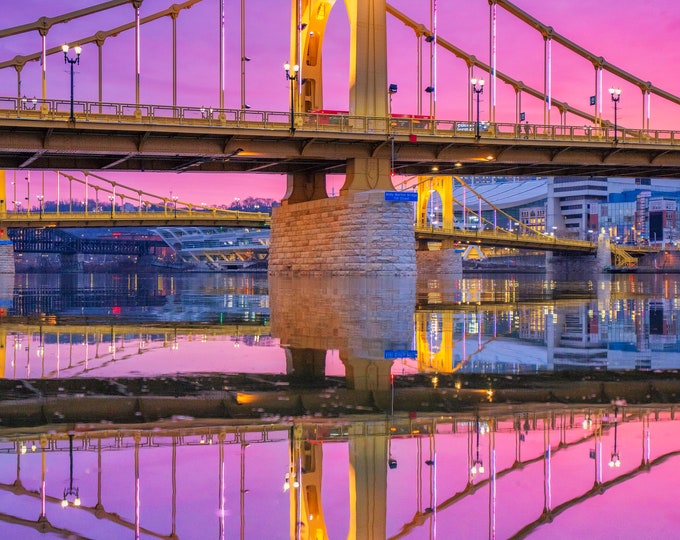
570, 267
359, 233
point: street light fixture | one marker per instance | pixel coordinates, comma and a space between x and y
616, 96
477, 88
40, 204
392, 89
25, 103
292, 75
174, 201
72, 62
112, 200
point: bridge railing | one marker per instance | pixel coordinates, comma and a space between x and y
337, 122
499, 233
20, 218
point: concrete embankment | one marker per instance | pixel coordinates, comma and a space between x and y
244, 397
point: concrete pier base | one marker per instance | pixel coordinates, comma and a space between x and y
572, 267
358, 234
6, 257
439, 262
569, 266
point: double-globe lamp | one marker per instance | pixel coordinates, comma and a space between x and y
291, 76
616, 96
477, 88
72, 61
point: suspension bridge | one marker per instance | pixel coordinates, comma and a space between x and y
43, 132
368, 142
88, 199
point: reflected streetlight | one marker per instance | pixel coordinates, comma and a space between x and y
391, 91
616, 96
615, 459
291, 76
70, 493
71, 61
477, 88
587, 422
477, 464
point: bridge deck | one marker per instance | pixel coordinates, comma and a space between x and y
163, 138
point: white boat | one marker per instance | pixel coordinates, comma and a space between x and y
218, 249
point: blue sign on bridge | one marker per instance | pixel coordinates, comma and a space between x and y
408, 196
391, 354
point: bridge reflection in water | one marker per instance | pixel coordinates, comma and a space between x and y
419, 437
498, 471
96, 326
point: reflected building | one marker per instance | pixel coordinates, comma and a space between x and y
622, 329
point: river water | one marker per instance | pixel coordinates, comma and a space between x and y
237, 406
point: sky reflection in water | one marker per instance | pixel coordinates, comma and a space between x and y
429, 458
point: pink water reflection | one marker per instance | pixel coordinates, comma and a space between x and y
220, 480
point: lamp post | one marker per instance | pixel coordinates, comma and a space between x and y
477, 88
25, 103
292, 75
174, 201
616, 96
28, 193
112, 200
40, 204
71, 62
392, 89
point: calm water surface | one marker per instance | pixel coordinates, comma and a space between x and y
233, 406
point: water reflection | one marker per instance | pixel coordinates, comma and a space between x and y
497, 471
128, 325
215, 406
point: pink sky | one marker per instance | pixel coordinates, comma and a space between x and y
634, 35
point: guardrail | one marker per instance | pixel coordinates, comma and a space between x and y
98, 219
58, 110
516, 236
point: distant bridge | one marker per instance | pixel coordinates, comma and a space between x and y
52, 240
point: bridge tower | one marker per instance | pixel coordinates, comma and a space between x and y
427, 187
6, 246
444, 260
368, 95
377, 236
